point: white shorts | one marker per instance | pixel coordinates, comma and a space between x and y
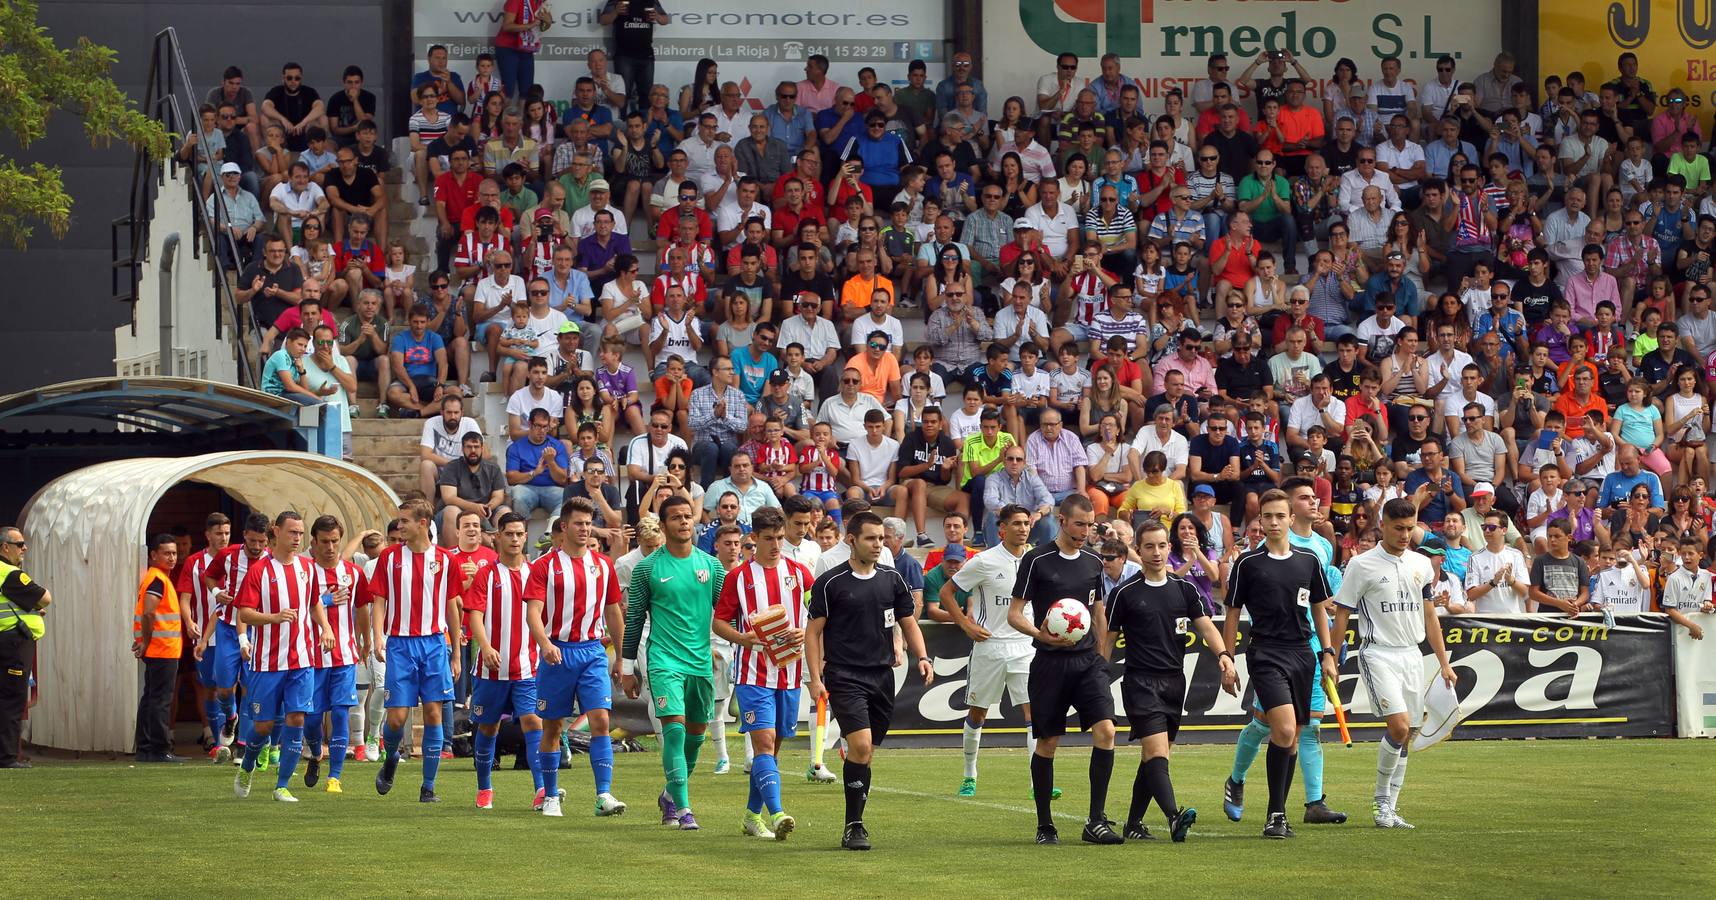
1394, 678
1007, 666
724, 671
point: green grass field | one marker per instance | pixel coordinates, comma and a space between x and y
1520, 818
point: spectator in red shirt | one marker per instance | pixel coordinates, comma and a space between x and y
1298, 302
358, 263
668, 225
795, 207
455, 191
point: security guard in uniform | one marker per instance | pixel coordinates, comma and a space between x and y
157, 641
21, 605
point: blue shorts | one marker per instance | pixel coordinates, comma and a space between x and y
273, 695
336, 688
483, 330
1319, 700
822, 496
1078, 331
206, 668
418, 671
581, 678
763, 709
491, 699
228, 666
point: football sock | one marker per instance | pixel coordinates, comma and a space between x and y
485, 757
754, 800
1251, 739
857, 790
1030, 738
252, 747
212, 711
602, 762
1311, 760
1279, 762
1156, 772
246, 724
339, 738
693, 749
1042, 786
973, 739
766, 775
1101, 768
548, 767
431, 755
1399, 778
391, 735
447, 724
1388, 757
673, 756
313, 735
718, 735
291, 747
1141, 793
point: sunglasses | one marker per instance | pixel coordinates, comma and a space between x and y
875, 346
1417, 418
786, 96
324, 343
850, 381
538, 293
1063, 68
1489, 527
1110, 557
1469, 418
1209, 159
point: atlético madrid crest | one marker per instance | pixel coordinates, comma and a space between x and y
750, 717
702, 576
434, 566
661, 703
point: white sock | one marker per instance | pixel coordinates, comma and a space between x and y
718, 735
750, 753
1388, 759
1030, 739
1398, 779
973, 739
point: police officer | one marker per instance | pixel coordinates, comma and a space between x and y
21, 605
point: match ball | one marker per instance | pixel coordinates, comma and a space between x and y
1068, 618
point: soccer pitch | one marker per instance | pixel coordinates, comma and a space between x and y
1520, 818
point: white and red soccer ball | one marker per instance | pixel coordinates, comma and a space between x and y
1068, 618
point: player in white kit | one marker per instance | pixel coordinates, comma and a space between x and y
1388, 586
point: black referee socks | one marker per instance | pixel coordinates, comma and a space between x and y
1156, 772
1279, 762
857, 790
1043, 787
1142, 793
1101, 767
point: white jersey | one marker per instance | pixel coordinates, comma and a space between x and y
1687, 590
1618, 590
989, 578
1485, 566
1388, 593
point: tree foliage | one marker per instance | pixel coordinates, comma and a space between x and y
38, 78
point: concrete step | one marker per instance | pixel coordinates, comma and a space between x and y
369, 426
369, 446
392, 465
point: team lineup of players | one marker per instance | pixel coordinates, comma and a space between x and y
540, 628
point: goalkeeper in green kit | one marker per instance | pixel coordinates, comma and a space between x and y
675, 589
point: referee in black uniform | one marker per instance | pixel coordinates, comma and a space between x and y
1154, 610
1065, 674
1277, 584
849, 645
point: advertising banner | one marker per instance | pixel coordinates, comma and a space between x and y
1695, 680
1673, 40
757, 43
1519, 676
1163, 43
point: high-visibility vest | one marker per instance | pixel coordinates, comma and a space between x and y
164, 641
11, 614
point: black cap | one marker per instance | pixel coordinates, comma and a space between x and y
778, 376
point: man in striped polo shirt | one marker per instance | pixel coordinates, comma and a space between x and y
343, 597
506, 655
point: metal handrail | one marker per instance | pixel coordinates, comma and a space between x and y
167, 78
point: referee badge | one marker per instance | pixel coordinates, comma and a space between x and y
1180, 624
702, 576
1305, 597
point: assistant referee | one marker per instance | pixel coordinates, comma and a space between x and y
849, 656
21, 605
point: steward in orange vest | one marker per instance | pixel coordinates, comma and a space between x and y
157, 640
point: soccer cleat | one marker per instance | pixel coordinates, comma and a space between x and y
1181, 825
284, 796
1138, 831
1319, 813
1396, 821
782, 825
486, 798
358, 752
536, 802
446, 754
334, 786
669, 813
372, 751
551, 807
1381, 814
856, 837
1233, 799
426, 794
820, 774
968, 787
1054, 793
687, 821
747, 767
609, 805
274, 755
1100, 831
384, 777
753, 826
229, 731
312, 771
723, 766
262, 760
220, 754
1277, 829
241, 784
1046, 834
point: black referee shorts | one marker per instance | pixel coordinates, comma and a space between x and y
861, 698
1068, 680
1282, 675
1153, 703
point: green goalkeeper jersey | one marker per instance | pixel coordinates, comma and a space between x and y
678, 597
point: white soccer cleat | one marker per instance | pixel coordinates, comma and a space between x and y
1397, 821
609, 805
241, 784
284, 796
551, 807
821, 774
723, 766
753, 826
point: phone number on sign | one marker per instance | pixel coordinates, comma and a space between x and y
849, 51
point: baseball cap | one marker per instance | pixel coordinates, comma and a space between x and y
1021, 224
570, 328
1482, 488
778, 376
1356, 90
1433, 546
600, 184
955, 552
543, 215
230, 168
1203, 489
1395, 254
1307, 457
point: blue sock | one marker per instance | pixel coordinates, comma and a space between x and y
228, 705
533, 756
548, 763
339, 738
447, 724
835, 512
211, 711
246, 725
766, 772
431, 756
1251, 739
390, 738
313, 735
485, 753
1311, 760
291, 747
754, 802
252, 746
602, 762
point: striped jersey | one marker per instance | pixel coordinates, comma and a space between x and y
498, 595
574, 594
415, 587
474, 251
820, 478
989, 578
1090, 298
748, 591
230, 568
272, 586
342, 617
194, 595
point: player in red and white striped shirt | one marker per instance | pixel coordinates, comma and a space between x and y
231, 638
768, 693
277, 600
417, 622
196, 595
573, 592
506, 661
344, 594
